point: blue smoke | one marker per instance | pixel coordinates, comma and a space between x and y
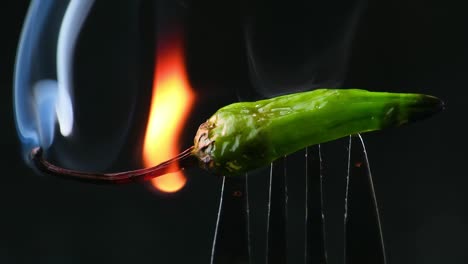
43, 70
26, 110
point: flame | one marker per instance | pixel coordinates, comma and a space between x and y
171, 101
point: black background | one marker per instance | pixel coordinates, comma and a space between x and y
419, 170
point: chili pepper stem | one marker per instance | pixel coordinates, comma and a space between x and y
183, 161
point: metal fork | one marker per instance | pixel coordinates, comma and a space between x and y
362, 229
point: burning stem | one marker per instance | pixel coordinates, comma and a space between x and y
180, 162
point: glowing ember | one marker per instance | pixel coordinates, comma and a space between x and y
170, 104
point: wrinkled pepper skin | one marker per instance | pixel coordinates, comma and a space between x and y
248, 135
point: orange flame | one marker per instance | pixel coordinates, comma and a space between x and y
171, 101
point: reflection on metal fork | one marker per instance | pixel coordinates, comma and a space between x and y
231, 244
315, 252
363, 233
277, 213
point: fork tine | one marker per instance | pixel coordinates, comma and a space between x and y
363, 233
231, 244
315, 251
276, 225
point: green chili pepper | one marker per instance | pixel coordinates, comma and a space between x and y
245, 136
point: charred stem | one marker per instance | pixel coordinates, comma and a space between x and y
182, 161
